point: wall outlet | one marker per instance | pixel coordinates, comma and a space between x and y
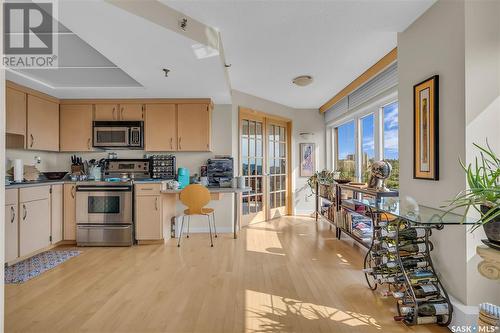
38, 159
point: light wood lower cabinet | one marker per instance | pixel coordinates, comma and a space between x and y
56, 213
193, 127
69, 229
43, 124
76, 127
11, 225
34, 224
148, 213
160, 127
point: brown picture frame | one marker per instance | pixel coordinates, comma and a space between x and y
426, 129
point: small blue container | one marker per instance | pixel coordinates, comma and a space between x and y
183, 177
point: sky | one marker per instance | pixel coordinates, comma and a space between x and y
346, 139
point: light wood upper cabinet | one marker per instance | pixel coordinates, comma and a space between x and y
56, 213
124, 112
193, 127
76, 127
11, 225
160, 127
43, 124
69, 228
34, 223
131, 112
15, 110
106, 112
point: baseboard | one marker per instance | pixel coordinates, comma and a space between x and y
306, 213
203, 230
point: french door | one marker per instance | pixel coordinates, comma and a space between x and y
264, 164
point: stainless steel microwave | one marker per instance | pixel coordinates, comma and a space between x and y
118, 134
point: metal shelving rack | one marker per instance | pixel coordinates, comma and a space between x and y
387, 207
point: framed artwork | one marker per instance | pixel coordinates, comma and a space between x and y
426, 129
307, 159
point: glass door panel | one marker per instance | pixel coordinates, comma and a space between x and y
252, 166
277, 160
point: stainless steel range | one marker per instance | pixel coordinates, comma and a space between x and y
104, 213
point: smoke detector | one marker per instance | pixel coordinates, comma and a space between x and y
302, 80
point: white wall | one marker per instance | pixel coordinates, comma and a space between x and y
459, 40
303, 120
434, 44
482, 106
2, 179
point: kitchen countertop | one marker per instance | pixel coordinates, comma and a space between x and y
39, 182
217, 190
43, 182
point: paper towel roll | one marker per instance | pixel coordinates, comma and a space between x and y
18, 170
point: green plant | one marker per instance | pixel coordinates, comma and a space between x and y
484, 187
324, 177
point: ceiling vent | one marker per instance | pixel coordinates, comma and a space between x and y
302, 80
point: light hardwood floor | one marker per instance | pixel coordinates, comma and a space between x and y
287, 275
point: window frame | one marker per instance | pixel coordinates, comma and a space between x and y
375, 107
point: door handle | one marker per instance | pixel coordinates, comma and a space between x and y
25, 212
13, 214
32, 140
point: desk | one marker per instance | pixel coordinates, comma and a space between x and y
220, 190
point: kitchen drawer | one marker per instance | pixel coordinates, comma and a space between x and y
11, 196
34, 193
147, 189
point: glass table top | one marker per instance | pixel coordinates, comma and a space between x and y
410, 210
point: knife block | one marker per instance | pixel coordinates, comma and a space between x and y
76, 170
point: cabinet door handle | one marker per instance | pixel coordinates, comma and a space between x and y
12, 214
171, 143
25, 212
32, 140
73, 190
88, 144
121, 113
180, 143
113, 115
156, 203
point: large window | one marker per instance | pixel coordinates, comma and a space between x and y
367, 146
391, 153
369, 135
346, 150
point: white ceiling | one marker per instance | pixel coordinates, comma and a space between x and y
267, 42
135, 45
270, 42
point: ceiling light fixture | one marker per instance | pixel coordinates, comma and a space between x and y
302, 80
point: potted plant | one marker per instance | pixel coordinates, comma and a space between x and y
483, 193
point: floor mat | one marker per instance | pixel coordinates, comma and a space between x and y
32, 267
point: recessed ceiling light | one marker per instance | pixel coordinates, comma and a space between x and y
303, 80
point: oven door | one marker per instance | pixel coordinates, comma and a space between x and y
103, 204
111, 136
